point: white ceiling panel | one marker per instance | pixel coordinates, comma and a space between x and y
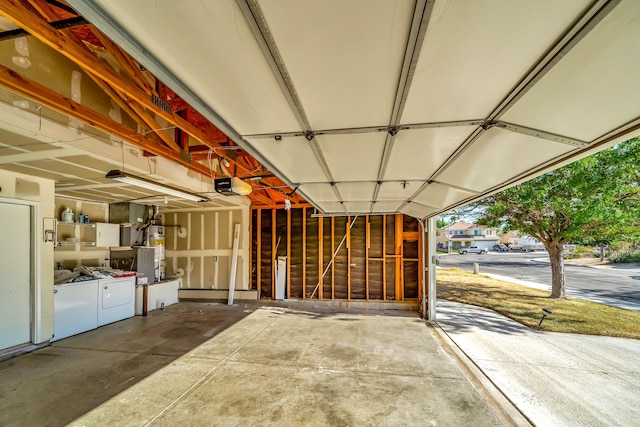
291, 156
383, 206
358, 207
210, 46
441, 196
319, 192
418, 153
594, 88
498, 156
344, 62
353, 157
330, 45
417, 210
357, 191
481, 48
398, 190
331, 207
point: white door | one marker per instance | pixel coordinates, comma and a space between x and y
15, 269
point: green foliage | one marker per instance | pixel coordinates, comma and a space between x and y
595, 198
441, 222
625, 256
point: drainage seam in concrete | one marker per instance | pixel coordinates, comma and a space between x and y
211, 371
507, 409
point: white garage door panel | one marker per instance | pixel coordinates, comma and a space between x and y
417, 210
594, 88
332, 44
215, 54
385, 206
291, 156
319, 192
357, 191
353, 157
15, 265
418, 153
440, 196
481, 48
398, 190
498, 156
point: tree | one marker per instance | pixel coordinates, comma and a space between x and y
597, 198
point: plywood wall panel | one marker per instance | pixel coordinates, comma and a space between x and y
295, 257
312, 253
327, 253
266, 254
341, 262
358, 261
375, 280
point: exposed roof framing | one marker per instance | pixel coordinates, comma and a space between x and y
379, 106
135, 91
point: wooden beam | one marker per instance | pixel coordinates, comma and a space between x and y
259, 251
348, 232
304, 253
367, 244
289, 254
128, 64
14, 82
22, 14
273, 254
384, 257
399, 262
320, 256
333, 249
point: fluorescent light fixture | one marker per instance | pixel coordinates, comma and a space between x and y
232, 186
151, 185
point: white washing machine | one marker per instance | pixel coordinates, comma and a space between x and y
116, 299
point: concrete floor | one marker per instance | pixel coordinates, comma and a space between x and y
210, 364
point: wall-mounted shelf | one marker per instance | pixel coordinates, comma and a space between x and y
97, 234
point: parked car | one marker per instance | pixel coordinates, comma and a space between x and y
501, 248
472, 250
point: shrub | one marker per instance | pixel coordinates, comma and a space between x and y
626, 256
582, 251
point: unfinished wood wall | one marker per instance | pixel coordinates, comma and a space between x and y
379, 260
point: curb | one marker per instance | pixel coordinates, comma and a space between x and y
505, 410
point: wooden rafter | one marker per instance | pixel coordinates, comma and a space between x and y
14, 82
134, 96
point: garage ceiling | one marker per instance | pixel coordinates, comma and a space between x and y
381, 106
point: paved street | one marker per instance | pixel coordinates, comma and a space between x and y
617, 283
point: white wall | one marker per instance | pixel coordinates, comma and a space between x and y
200, 249
40, 193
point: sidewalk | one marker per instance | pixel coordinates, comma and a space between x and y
552, 378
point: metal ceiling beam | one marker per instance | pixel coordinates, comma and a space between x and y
368, 129
580, 28
256, 20
419, 23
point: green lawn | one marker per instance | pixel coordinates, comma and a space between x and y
525, 305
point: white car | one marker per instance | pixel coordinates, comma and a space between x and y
472, 250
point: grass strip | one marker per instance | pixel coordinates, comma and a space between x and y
524, 305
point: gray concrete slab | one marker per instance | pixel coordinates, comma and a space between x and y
245, 365
553, 378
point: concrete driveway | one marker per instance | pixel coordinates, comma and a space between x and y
554, 379
267, 366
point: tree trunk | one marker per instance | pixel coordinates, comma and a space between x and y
556, 256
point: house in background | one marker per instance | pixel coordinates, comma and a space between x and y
463, 234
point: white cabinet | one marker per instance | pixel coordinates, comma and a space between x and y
105, 235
